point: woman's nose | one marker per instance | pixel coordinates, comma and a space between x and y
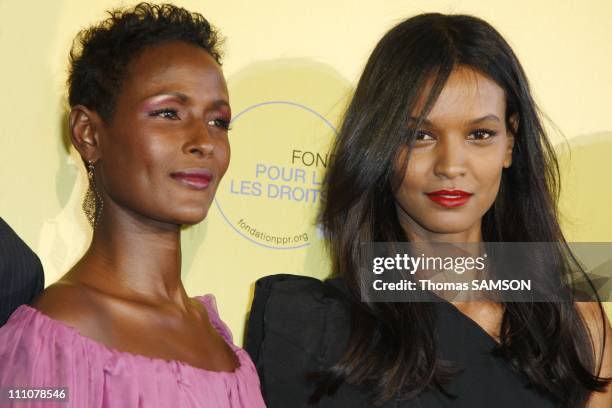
450, 158
200, 142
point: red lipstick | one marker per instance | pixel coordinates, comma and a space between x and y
449, 198
198, 179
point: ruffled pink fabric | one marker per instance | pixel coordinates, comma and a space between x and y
38, 351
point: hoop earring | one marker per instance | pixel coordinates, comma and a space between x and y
92, 204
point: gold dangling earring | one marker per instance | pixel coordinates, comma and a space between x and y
92, 204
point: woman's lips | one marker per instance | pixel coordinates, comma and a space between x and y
449, 198
198, 179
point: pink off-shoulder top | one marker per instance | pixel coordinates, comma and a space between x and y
37, 351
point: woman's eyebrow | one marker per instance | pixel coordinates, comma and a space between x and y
220, 103
471, 122
217, 103
485, 118
416, 120
178, 95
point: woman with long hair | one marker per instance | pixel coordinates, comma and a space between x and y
149, 117
441, 143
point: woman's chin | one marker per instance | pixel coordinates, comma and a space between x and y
448, 227
196, 219
191, 217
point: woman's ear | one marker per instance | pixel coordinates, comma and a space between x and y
85, 126
513, 123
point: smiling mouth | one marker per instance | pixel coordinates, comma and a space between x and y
449, 198
197, 179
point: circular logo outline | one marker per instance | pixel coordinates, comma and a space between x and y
234, 119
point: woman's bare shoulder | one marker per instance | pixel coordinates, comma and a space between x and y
74, 305
598, 325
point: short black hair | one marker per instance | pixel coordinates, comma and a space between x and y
101, 53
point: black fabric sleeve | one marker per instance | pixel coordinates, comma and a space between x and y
287, 336
21, 273
299, 326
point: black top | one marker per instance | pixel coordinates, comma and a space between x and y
21, 273
300, 325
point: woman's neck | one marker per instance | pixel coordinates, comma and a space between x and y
134, 257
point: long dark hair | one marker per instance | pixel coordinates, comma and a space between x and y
390, 348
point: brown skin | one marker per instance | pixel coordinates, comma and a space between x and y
455, 152
464, 145
126, 291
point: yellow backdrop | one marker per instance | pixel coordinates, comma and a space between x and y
291, 67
